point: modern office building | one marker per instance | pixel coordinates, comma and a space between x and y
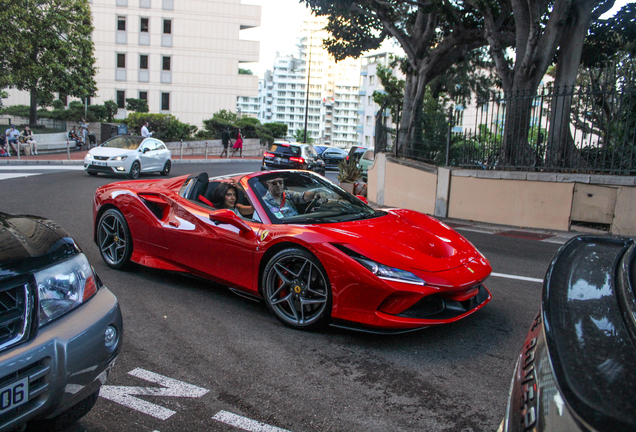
181, 56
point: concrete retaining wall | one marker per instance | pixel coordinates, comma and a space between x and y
524, 199
251, 147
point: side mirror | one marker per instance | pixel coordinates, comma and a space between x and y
363, 199
228, 217
146, 150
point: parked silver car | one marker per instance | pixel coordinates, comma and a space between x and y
60, 328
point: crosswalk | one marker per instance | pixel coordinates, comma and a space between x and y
11, 172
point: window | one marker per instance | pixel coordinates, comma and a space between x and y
121, 23
367, 141
372, 80
167, 26
143, 26
165, 101
369, 121
121, 99
143, 95
369, 100
166, 63
143, 61
121, 61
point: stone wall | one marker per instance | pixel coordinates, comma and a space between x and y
251, 147
524, 199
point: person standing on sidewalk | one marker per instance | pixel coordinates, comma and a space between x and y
225, 140
238, 144
145, 132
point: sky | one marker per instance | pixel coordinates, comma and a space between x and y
280, 25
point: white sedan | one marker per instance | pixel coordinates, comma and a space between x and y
129, 155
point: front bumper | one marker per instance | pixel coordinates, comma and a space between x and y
111, 167
65, 362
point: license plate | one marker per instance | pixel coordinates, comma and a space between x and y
99, 163
279, 160
14, 395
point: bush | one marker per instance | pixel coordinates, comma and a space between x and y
277, 130
165, 126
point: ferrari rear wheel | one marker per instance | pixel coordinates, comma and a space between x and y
114, 240
296, 289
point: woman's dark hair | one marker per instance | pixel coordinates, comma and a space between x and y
218, 197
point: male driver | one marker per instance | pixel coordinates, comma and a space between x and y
281, 202
12, 135
145, 132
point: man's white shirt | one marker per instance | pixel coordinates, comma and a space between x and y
144, 132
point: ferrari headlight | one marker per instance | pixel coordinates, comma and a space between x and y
119, 158
389, 273
64, 286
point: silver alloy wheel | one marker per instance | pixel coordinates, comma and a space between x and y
296, 289
113, 239
135, 169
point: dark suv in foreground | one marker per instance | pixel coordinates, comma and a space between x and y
60, 328
283, 155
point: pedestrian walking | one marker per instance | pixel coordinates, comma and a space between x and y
225, 140
238, 144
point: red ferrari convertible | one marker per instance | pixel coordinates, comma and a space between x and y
314, 253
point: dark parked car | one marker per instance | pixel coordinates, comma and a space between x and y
283, 155
355, 153
332, 156
60, 328
576, 369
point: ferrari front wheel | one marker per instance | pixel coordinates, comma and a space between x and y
296, 289
114, 240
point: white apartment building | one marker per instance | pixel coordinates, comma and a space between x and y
181, 56
332, 103
368, 109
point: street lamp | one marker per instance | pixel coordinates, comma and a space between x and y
311, 39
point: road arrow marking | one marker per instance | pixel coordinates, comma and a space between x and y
123, 395
245, 423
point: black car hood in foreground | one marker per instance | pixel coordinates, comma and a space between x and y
589, 317
29, 242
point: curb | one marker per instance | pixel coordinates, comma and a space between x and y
81, 162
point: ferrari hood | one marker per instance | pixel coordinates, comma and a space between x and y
406, 239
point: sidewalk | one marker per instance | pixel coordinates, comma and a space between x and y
77, 158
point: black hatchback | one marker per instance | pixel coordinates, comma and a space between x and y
283, 155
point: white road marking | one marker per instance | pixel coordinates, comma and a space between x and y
40, 167
6, 176
227, 176
483, 231
245, 423
523, 278
123, 394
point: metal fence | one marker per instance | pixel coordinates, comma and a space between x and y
43, 125
582, 129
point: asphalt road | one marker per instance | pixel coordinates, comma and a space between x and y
450, 378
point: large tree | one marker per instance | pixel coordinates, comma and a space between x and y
47, 48
561, 150
541, 26
435, 34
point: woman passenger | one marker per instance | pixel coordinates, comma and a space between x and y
225, 196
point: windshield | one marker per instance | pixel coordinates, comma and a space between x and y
124, 142
302, 197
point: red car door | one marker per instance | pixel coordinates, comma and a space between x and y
221, 252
